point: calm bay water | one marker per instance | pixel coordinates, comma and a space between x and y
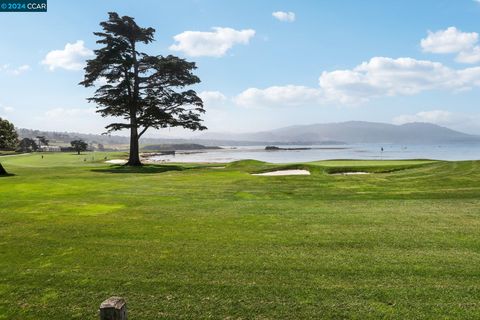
356, 151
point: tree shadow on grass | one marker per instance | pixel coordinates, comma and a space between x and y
3, 172
149, 168
7, 175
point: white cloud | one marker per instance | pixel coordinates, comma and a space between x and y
72, 119
469, 56
60, 119
22, 69
14, 71
279, 96
8, 109
62, 113
101, 81
450, 40
469, 77
213, 44
383, 76
284, 16
378, 77
212, 99
72, 57
4, 111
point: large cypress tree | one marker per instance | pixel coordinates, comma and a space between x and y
147, 91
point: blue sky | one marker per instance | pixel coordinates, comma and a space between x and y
310, 62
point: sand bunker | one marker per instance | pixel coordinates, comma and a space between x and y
116, 161
349, 173
284, 173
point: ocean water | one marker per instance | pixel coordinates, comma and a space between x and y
469, 151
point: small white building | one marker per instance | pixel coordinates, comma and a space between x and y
49, 149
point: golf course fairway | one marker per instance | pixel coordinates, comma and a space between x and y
195, 241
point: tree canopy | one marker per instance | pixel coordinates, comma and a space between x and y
42, 141
148, 91
79, 145
27, 145
8, 135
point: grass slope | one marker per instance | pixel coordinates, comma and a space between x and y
193, 242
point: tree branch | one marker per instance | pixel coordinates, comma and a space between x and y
143, 131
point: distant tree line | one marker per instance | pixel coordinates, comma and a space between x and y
10, 141
102, 141
66, 137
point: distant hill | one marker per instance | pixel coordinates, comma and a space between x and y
351, 132
327, 133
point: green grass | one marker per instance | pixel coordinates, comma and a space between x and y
193, 242
6, 153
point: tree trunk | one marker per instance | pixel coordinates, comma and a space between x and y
2, 171
78, 152
134, 157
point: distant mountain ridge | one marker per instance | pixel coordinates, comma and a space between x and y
326, 133
352, 132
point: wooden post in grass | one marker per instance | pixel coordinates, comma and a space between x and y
114, 308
